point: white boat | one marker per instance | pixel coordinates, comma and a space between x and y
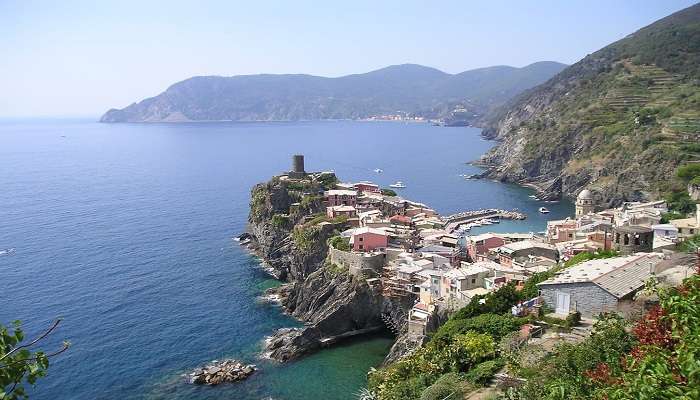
378, 170
544, 210
398, 185
532, 196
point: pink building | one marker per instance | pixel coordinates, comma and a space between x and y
340, 197
369, 239
367, 187
478, 246
400, 220
336, 211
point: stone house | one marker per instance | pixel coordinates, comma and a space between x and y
597, 286
633, 239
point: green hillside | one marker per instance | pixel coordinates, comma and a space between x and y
620, 120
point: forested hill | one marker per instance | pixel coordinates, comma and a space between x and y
407, 89
620, 121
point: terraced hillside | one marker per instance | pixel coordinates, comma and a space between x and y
619, 121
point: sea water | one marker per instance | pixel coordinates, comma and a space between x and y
124, 231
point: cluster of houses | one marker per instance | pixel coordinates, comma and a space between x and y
633, 227
403, 249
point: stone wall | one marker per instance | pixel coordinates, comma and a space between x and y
585, 297
359, 264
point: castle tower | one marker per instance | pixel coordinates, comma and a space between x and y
584, 203
297, 171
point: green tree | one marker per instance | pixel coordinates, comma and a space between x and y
19, 365
688, 172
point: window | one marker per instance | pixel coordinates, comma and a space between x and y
473, 280
361, 239
362, 247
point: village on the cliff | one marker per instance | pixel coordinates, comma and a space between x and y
408, 251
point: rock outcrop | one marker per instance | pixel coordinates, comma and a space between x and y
218, 372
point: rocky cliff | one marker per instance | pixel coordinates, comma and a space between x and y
290, 235
619, 121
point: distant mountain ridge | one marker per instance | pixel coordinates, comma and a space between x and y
408, 88
619, 121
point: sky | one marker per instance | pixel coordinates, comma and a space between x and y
81, 58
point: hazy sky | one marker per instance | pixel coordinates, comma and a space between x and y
83, 57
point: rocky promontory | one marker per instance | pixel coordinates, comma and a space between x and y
290, 233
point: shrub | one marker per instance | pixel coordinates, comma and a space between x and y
688, 172
585, 256
339, 243
389, 192
449, 386
689, 245
467, 350
573, 319
669, 216
497, 302
494, 325
679, 200
483, 372
280, 220
327, 181
308, 200
304, 237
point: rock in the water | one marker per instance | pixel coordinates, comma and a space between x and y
221, 372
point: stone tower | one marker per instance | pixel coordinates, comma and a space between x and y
584, 203
297, 171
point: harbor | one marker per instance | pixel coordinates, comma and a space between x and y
464, 221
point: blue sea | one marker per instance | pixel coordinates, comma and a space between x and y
124, 231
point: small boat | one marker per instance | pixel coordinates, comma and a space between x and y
378, 170
532, 196
544, 210
7, 252
398, 185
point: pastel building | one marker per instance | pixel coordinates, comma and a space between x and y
478, 246
367, 187
340, 197
369, 239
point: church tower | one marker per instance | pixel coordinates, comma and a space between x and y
584, 203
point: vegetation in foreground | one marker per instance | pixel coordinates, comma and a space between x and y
19, 365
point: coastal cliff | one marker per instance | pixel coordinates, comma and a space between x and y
290, 234
619, 121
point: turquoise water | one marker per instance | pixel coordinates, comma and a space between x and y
125, 231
